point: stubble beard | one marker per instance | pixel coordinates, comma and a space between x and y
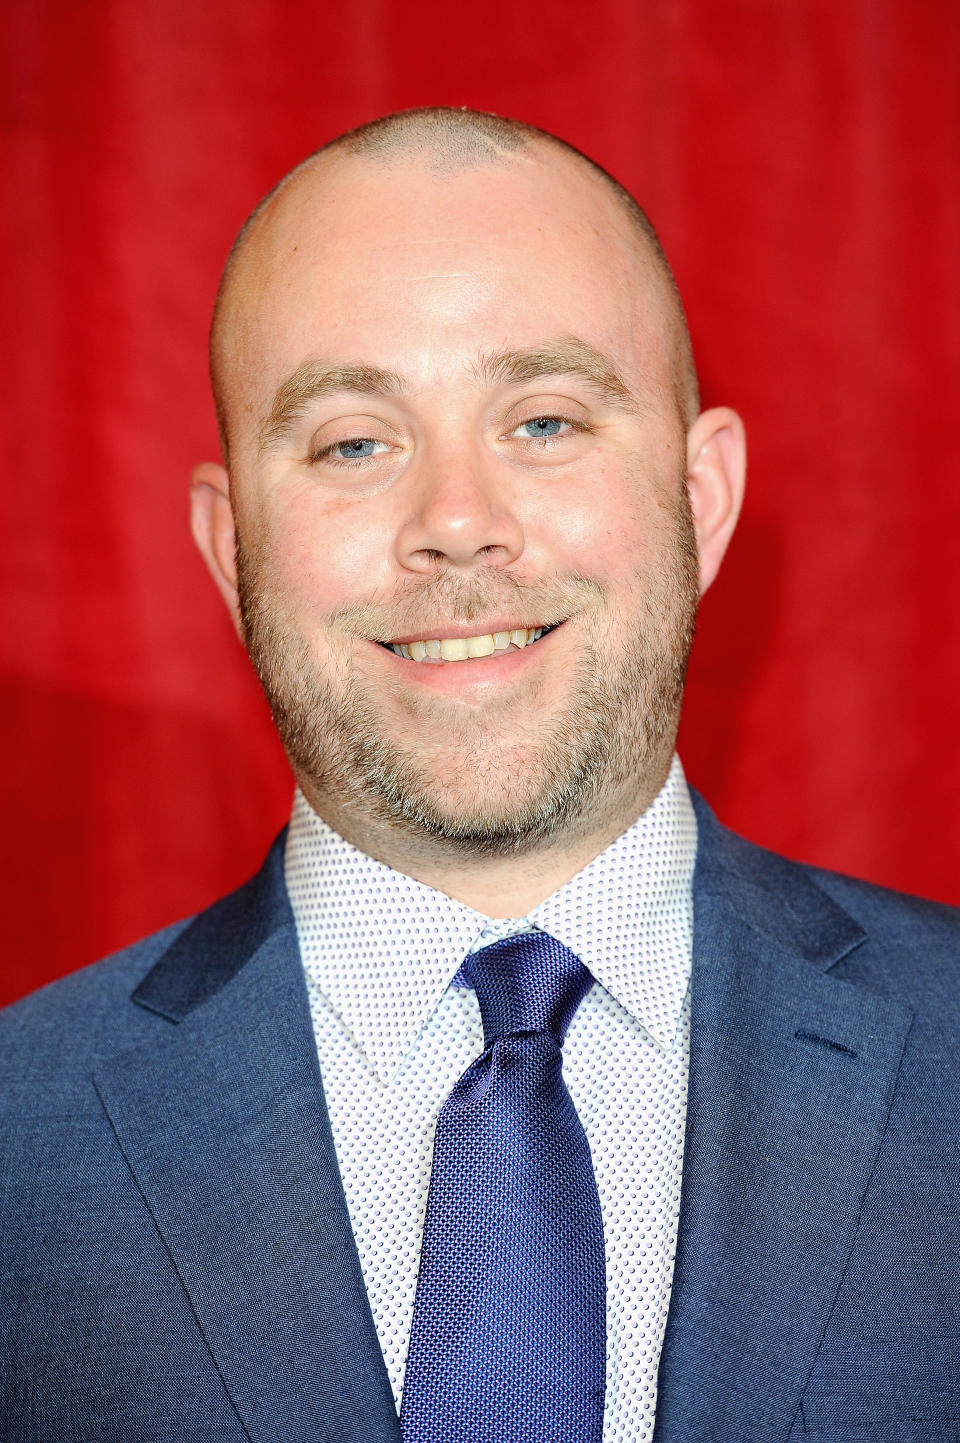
480, 783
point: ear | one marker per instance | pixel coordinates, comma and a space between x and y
211, 521
716, 473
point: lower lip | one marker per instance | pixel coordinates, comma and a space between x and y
476, 674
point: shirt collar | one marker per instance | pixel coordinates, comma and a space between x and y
628, 915
382, 947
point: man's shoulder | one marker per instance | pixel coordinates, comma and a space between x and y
911, 948
908, 946
880, 909
71, 1023
54, 1039
93, 1013
887, 913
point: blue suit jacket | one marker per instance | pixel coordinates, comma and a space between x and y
176, 1260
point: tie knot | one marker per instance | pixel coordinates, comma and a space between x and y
527, 983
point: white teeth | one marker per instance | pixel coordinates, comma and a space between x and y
461, 648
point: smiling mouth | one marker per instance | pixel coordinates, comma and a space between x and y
468, 648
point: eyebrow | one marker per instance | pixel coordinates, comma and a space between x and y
567, 356
311, 382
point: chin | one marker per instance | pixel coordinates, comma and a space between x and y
510, 804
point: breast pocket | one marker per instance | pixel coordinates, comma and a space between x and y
874, 1388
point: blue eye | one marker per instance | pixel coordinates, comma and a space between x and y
540, 426
356, 449
349, 452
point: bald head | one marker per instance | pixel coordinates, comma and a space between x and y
444, 142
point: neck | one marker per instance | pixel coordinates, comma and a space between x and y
497, 885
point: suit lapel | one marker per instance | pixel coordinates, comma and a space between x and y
791, 1078
224, 1126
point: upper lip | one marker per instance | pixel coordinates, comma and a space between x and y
452, 630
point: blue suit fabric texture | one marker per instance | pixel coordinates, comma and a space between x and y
176, 1258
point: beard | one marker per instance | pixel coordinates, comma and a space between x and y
478, 779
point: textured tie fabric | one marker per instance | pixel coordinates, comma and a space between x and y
509, 1324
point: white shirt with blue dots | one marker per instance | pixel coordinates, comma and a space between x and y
393, 1035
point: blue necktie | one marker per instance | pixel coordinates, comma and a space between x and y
508, 1343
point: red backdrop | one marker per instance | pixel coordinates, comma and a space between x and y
802, 162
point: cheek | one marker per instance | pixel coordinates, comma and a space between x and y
324, 551
607, 522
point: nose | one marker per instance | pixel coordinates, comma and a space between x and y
458, 514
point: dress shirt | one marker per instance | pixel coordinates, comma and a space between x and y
394, 1033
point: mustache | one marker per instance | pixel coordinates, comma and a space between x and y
445, 597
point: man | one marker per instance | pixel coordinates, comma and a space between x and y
622, 1128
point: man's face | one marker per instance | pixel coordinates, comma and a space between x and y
454, 422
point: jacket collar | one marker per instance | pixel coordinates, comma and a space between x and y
219, 942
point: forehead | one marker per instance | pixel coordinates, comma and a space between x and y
414, 268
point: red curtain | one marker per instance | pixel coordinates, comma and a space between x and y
802, 162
